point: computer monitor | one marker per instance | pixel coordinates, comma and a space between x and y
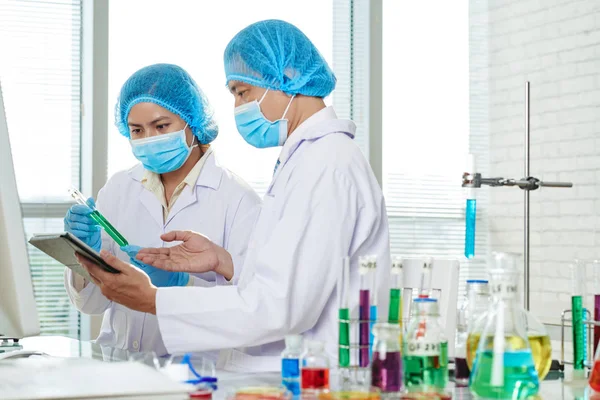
18, 313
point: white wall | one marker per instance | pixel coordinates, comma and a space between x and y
555, 44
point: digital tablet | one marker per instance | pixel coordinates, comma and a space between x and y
63, 246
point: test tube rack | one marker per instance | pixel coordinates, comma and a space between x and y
353, 373
472, 179
589, 325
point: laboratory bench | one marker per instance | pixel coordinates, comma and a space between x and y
554, 387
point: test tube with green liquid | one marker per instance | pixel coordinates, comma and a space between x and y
395, 310
578, 275
343, 288
99, 218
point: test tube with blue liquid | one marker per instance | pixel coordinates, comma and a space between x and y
99, 218
470, 214
373, 304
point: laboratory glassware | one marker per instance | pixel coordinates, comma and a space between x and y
596, 266
470, 307
425, 289
315, 367
504, 366
425, 349
594, 380
99, 218
395, 309
539, 341
386, 366
470, 214
365, 271
578, 277
290, 363
343, 289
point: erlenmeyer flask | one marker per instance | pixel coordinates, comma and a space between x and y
538, 337
504, 366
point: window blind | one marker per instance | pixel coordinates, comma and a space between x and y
428, 132
41, 80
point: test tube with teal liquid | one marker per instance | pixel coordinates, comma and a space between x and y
470, 214
99, 218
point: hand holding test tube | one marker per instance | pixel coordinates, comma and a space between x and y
99, 218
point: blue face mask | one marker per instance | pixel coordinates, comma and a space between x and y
256, 129
162, 153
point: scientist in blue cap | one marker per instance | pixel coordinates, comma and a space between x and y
322, 205
178, 185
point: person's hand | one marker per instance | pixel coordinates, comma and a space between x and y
131, 288
159, 277
196, 254
79, 223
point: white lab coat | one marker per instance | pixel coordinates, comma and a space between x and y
221, 207
323, 204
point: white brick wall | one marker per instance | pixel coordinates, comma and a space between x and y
555, 44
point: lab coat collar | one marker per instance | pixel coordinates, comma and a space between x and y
315, 127
210, 175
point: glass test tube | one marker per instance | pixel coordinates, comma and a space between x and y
373, 304
99, 218
425, 289
363, 311
578, 276
470, 214
596, 266
395, 310
344, 315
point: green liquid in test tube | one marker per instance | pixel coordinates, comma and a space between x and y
99, 218
343, 287
395, 310
578, 270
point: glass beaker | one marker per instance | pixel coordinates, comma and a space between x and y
386, 366
504, 366
473, 305
425, 349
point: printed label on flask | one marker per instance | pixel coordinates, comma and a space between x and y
422, 348
504, 290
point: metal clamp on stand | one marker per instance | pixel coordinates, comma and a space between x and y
472, 179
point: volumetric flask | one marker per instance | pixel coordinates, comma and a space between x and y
504, 366
425, 355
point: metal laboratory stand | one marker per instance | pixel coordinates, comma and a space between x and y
473, 179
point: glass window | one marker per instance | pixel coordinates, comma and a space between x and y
41, 84
194, 36
426, 128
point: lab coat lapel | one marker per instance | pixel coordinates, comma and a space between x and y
186, 198
153, 206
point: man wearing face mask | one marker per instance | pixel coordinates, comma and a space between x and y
178, 185
323, 204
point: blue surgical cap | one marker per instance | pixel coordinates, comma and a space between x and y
276, 55
170, 87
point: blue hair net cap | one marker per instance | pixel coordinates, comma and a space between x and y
171, 87
276, 55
